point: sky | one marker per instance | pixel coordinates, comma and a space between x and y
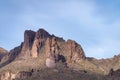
94, 24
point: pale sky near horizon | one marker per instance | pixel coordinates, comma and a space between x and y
94, 24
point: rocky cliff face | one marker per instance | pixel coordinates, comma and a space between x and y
74, 51
33, 42
69, 52
39, 42
36, 43
27, 44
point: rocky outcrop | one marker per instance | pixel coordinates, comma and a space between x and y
42, 43
74, 51
51, 47
39, 41
70, 53
8, 75
52, 51
27, 44
33, 42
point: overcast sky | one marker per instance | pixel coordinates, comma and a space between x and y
94, 24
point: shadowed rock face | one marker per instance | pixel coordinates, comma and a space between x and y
27, 44
14, 53
114, 73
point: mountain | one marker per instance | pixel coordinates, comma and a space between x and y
3, 52
41, 42
43, 56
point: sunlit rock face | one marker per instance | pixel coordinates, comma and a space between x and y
7, 75
50, 63
50, 52
39, 41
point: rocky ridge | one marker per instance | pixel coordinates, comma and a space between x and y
3, 52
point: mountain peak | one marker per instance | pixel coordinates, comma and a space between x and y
36, 43
3, 52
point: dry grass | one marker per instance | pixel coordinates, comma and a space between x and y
64, 74
24, 65
58, 73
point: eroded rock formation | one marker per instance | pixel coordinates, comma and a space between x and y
74, 51
52, 49
39, 41
27, 44
71, 52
